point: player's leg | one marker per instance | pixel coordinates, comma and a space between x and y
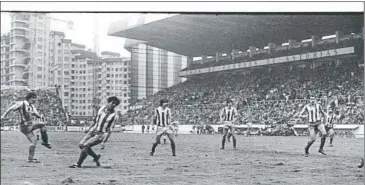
95, 140
331, 134
159, 133
312, 137
225, 131
229, 135
322, 129
33, 143
170, 135
44, 135
233, 133
83, 153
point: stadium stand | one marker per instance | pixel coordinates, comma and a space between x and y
274, 97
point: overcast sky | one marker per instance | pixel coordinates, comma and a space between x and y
83, 28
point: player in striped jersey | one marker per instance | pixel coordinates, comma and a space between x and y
332, 119
99, 132
27, 114
314, 115
162, 120
228, 117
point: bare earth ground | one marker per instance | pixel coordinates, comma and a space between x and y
126, 160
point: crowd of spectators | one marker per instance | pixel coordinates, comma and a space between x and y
48, 103
263, 96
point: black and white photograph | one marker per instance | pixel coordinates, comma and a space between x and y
206, 93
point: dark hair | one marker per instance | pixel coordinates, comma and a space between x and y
30, 95
113, 99
162, 101
229, 101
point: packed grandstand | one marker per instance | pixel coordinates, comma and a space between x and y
267, 95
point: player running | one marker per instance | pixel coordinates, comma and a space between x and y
228, 117
27, 114
99, 132
332, 119
162, 119
314, 115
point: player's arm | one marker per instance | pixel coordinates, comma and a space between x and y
235, 115
36, 113
302, 112
109, 131
154, 120
11, 108
94, 121
221, 115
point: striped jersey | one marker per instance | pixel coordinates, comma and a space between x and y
332, 119
25, 111
228, 114
162, 117
104, 120
314, 112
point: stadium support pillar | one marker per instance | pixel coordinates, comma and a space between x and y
234, 54
314, 41
204, 59
272, 47
217, 55
338, 62
292, 43
189, 61
339, 34
252, 51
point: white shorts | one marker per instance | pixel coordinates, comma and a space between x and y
164, 130
228, 124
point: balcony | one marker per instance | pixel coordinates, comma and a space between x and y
19, 49
18, 80
24, 35
19, 28
18, 65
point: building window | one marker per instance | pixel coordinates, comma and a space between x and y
39, 76
125, 69
39, 68
66, 93
39, 46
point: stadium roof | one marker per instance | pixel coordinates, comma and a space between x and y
204, 34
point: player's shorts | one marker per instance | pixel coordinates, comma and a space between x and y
164, 130
29, 126
228, 124
92, 139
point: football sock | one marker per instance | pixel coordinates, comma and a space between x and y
91, 153
173, 146
44, 137
82, 157
154, 147
234, 142
308, 145
31, 152
323, 140
331, 139
223, 141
